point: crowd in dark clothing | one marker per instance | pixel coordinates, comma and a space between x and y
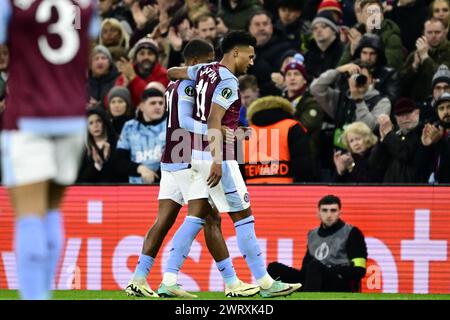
309, 52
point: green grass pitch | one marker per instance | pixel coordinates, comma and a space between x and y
120, 295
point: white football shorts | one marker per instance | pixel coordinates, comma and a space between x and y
29, 158
181, 186
231, 194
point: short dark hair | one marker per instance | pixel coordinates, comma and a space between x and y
295, 5
330, 199
197, 48
236, 38
151, 92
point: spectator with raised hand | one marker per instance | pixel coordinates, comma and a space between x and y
180, 32
400, 148
437, 135
271, 44
432, 50
371, 20
358, 164
409, 15
143, 68
102, 75
99, 160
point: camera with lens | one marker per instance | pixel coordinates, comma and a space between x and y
360, 79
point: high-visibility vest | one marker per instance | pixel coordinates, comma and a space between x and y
266, 154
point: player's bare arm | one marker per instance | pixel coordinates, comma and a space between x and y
178, 73
215, 139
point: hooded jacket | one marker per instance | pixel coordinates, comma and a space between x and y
269, 111
392, 44
387, 79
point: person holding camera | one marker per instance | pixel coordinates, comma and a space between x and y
360, 102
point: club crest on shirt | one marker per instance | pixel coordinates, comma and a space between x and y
189, 90
226, 93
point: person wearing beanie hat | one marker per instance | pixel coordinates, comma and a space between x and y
103, 50
120, 107
440, 84
102, 75
325, 17
144, 67
442, 75
296, 78
325, 49
400, 148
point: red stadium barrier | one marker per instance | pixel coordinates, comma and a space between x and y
407, 231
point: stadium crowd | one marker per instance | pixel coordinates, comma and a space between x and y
358, 89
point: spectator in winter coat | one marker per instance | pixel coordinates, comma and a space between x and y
358, 164
120, 108
271, 44
100, 158
432, 50
401, 149
142, 69
102, 75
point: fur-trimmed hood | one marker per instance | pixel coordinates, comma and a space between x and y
268, 110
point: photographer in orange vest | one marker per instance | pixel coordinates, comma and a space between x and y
278, 150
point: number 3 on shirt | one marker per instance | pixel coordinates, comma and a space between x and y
64, 27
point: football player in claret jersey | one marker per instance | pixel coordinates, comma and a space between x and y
218, 104
43, 125
179, 185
